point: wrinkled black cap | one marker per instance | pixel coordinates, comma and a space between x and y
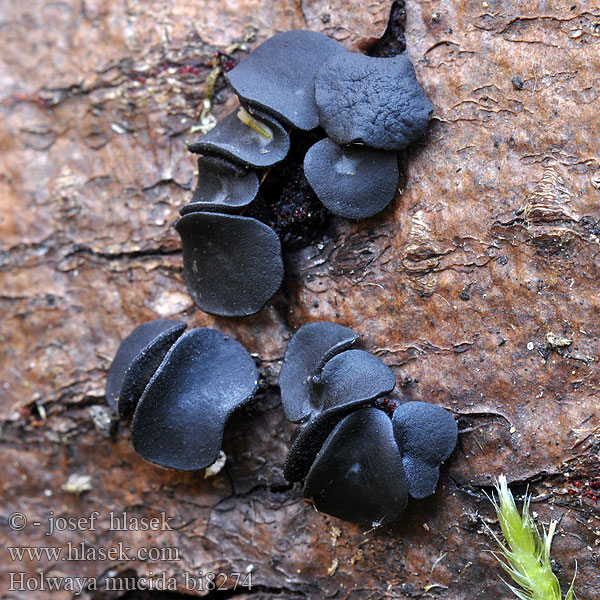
232, 264
278, 76
180, 418
376, 101
426, 435
222, 186
136, 360
236, 141
306, 355
348, 381
358, 474
354, 182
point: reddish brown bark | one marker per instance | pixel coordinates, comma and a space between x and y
478, 286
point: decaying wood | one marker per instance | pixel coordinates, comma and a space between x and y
478, 286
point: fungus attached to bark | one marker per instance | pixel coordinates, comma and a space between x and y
278, 75
426, 435
222, 186
232, 264
361, 460
358, 475
354, 182
250, 140
136, 360
183, 388
181, 416
308, 351
300, 79
375, 101
346, 382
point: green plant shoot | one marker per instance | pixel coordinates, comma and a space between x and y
524, 553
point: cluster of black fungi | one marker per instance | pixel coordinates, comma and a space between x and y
360, 461
368, 107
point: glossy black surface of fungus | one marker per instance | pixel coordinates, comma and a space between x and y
143, 366
306, 355
180, 418
222, 186
278, 76
348, 381
130, 347
376, 101
232, 264
240, 143
358, 474
354, 182
426, 435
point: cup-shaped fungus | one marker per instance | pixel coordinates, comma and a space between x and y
306, 355
427, 435
232, 264
250, 140
137, 358
222, 186
357, 476
298, 79
355, 182
360, 461
374, 101
178, 421
348, 380
278, 76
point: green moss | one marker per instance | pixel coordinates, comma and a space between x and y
524, 553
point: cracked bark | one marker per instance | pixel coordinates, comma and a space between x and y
491, 247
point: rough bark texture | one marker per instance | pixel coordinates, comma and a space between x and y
478, 286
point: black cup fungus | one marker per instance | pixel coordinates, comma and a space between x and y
349, 380
136, 360
427, 435
358, 476
299, 79
354, 182
361, 457
232, 264
306, 355
222, 186
369, 100
278, 76
191, 383
181, 416
262, 143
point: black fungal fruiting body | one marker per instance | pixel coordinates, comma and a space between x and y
225, 186
360, 462
135, 362
352, 182
374, 101
278, 76
302, 80
187, 386
232, 264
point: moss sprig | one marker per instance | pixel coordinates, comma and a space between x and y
524, 553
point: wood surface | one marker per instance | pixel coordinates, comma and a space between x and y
478, 286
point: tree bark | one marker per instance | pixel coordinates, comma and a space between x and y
478, 286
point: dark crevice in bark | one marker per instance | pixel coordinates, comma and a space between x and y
86, 250
263, 591
392, 42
